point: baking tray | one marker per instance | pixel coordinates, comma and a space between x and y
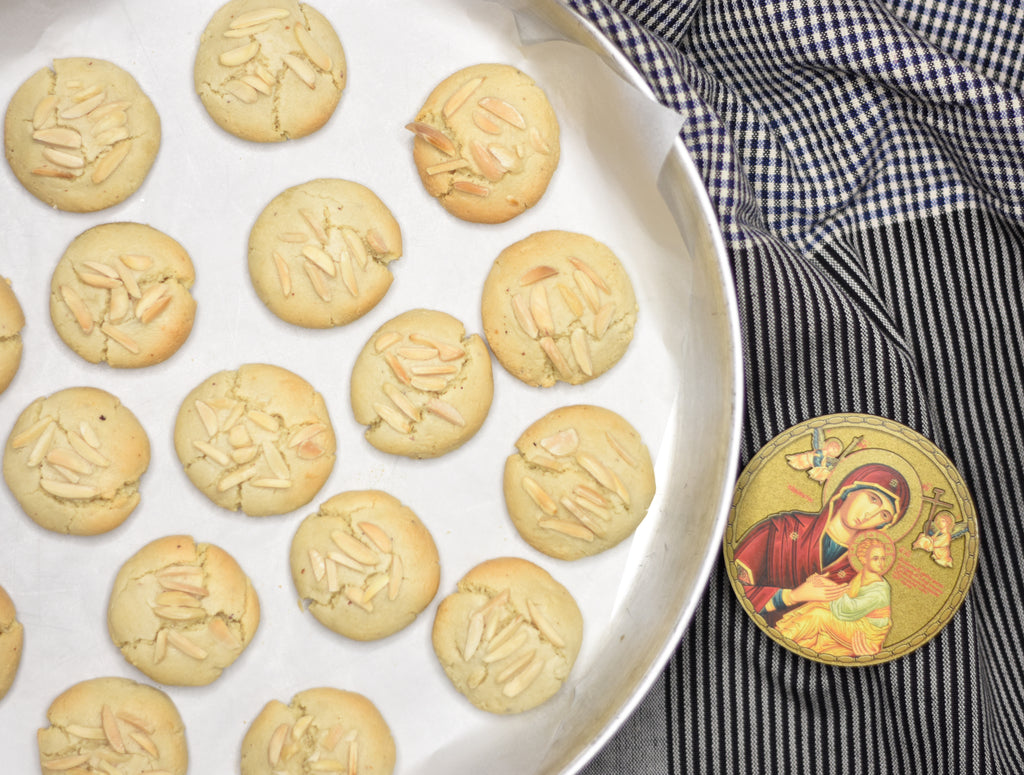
624, 178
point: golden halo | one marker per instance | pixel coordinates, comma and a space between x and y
889, 458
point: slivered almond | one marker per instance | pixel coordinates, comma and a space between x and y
603, 319
469, 187
184, 645
524, 318
266, 421
66, 473
620, 449
540, 310
547, 344
508, 646
306, 433
63, 137
348, 275
152, 303
110, 161
259, 16
275, 460
540, 496
384, 341
316, 53
564, 442
430, 384
375, 585
537, 274
417, 352
183, 586
569, 528
272, 484
320, 258
445, 411
179, 613
333, 585
236, 478
258, 84
486, 161
356, 246
447, 166
583, 510
504, 157
238, 56
588, 289
132, 286
395, 419
318, 564
145, 742
101, 268
445, 351
94, 280
89, 435
591, 495
590, 272
398, 369
538, 142
474, 636
316, 279
243, 91
376, 242
87, 450
515, 666
603, 475
114, 119
377, 535
118, 335
358, 596
68, 459
77, 307
212, 452
234, 415
544, 625
85, 107
504, 111
86, 733
354, 548
120, 304
458, 99
433, 136
67, 762
581, 351
208, 417
314, 223
284, 275
255, 29
111, 729
407, 407
342, 560
276, 744
68, 490
43, 113
50, 172
174, 597
32, 432
522, 681
353, 758
485, 123
433, 369
300, 727
301, 68
42, 445
395, 579
244, 454
107, 108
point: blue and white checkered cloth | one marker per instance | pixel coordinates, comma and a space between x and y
866, 161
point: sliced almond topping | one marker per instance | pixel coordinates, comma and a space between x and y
504, 111
508, 646
273, 484
522, 681
179, 613
447, 166
375, 585
331, 568
107, 108
111, 729
184, 645
111, 120
234, 415
173, 597
43, 113
32, 432
603, 319
160, 646
429, 384
238, 56
316, 279
540, 496
121, 337
284, 275
620, 449
445, 351
86, 733
208, 416
395, 577
276, 744
469, 187
220, 630
64, 137
259, 16
210, 451
590, 272
306, 433
348, 275
542, 623
537, 274
384, 341
585, 516
474, 636
341, 559
42, 445
120, 304
87, 450
544, 461
564, 442
588, 289
603, 475
243, 91
573, 302
433, 136
547, 344
101, 268
581, 351
145, 742
85, 107
320, 257
112, 136
50, 172
300, 727
81, 312
433, 369
152, 303
407, 407
523, 316
318, 564
567, 527
485, 123
353, 758
255, 29
235, 478
66, 762
376, 242
458, 99
357, 595
266, 421
68, 490
316, 53
377, 535
505, 157
540, 310
356, 246
538, 142
94, 280
275, 460
354, 548
398, 369
68, 459
417, 352
110, 161
445, 411
591, 495
239, 436
488, 164
515, 666
301, 68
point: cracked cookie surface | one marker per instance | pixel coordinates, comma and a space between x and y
81, 135
74, 461
486, 143
580, 482
12, 637
320, 252
364, 564
320, 730
269, 70
508, 636
257, 439
558, 306
422, 385
12, 321
113, 725
181, 611
121, 295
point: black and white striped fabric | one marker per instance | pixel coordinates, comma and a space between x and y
866, 161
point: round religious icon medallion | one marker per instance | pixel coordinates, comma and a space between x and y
852, 540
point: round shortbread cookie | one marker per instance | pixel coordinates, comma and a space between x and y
487, 143
257, 439
181, 611
321, 729
12, 637
508, 636
422, 385
74, 460
319, 253
558, 307
120, 295
269, 72
579, 483
113, 719
81, 136
365, 564
12, 321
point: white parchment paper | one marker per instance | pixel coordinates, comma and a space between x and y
205, 190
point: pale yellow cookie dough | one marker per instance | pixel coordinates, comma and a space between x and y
487, 143
580, 482
257, 439
12, 638
111, 719
81, 136
509, 635
364, 564
320, 252
182, 612
558, 306
12, 322
269, 70
421, 385
320, 730
120, 295
74, 461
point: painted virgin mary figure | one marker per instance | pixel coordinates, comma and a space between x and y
792, 558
